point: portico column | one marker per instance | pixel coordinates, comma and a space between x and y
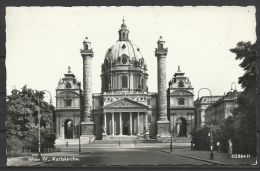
113, 126
146, 118
105, 122
120, 122
130, 123
138, 131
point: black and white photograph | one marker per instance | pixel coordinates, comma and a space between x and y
131, 86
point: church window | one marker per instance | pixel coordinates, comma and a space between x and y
181, 84
124, 82
124, 60
123, 34
149, 119
68, 102
181, 101
68, 85
148, 102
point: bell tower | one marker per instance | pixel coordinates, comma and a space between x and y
163, 125
87, 125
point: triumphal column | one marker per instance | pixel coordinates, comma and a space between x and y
87, 125
163, 125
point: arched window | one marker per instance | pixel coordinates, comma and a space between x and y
161, 46
181, 84
68, 85
124, 82
123, 34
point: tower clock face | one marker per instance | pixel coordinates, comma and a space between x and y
124, 60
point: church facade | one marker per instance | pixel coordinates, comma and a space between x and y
124, 108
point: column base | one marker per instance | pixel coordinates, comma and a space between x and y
87, 131
146, 136
163, 130
104, 136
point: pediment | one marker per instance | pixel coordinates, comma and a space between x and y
125, 103
66, 94
181, 93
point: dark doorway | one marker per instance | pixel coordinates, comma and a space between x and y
125, 127
183, 127
68, 129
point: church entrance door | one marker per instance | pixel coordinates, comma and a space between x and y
125, 127
182, 124
68, 129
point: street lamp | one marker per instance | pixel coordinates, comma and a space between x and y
210, 94
39, 119
211, 136
171, 140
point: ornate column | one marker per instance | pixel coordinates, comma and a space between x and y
87, 126
163, 125
130, 123
138, 131
113, 122
120, 123
104, 127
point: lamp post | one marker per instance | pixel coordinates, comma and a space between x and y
211, 136
79, 139
211, 144
39, 122
171, 140
209, 92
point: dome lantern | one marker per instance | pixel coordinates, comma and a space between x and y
123, 32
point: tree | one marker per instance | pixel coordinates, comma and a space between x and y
22, 115
245, 113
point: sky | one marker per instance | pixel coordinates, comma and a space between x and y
43, 41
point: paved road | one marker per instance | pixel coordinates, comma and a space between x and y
127, 156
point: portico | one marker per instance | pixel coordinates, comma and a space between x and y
124, 117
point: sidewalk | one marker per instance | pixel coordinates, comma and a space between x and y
24, 160
219, 158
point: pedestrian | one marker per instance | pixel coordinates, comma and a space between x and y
191, 144
229, 149
218, 146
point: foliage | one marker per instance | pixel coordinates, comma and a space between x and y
245, 113
241, 126
14, 143
22, 117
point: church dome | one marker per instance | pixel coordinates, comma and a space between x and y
123, 48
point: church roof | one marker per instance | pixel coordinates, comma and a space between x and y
123, 46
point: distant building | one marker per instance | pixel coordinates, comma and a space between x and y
180, 104
223, 107
201, 104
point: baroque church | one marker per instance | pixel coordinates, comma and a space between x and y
124, 108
